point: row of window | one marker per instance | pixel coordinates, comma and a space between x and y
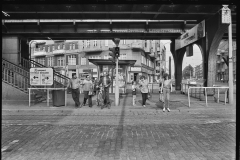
58, 47
147, 62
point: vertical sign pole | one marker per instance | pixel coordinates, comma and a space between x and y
230, 80
116, 86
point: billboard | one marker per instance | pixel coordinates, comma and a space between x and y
191, 36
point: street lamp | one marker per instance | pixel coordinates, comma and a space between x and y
30, 48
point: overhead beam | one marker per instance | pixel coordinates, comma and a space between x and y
39, 26
115, 12
4, 26
159, 10
133, 9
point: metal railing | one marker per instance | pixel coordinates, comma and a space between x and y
196, 93
205, 91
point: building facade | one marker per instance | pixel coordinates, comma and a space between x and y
198, 71
222, 70
68, 57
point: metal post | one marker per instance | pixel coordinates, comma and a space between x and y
116, 86
47, 97
206, 95
29, 97
230, 79
218, 95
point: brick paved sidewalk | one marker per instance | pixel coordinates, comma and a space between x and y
177, 102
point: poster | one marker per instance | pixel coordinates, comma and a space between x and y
41, 76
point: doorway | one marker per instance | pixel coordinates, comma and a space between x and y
135, 76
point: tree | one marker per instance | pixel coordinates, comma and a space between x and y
187, 71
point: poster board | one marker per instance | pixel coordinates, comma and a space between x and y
41, 76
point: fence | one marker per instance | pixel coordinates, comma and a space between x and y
205, 91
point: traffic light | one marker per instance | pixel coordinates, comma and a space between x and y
117, 54
112, 54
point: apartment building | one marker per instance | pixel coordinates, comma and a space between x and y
72, 56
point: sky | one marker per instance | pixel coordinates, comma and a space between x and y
194, 60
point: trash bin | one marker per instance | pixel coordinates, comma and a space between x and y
58, 98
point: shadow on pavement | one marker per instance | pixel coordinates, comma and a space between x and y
117, 138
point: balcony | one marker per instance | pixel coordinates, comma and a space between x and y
92, 49
59, 51
40, 53
72, 51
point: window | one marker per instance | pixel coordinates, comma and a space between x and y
60, 61
83, 44
43, 48
41, 61
70, 46
88, 44
124, 41
106, 43
83, 61
95, 43
63, 46
72, 60
48, 48
73, 46
105, 57
50, 61
123, 56
145, 43
58, 46
53, 48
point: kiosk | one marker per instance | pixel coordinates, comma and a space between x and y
105, 65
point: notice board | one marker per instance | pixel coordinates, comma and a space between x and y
41, 76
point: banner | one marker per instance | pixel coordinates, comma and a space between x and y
191, 36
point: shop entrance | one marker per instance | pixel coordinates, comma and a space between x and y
135, 76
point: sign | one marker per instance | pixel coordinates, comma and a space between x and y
137, 69
226, 14
41, 76
191, 36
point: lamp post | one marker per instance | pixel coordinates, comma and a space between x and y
30, 48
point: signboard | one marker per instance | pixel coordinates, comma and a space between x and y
226, 14
191, 36
137, 69
41, 76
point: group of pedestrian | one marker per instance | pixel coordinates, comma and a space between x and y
165, 85
100, 88
90, 88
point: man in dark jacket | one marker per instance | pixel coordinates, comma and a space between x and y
106, 82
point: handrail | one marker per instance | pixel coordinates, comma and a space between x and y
205, 88
13, 67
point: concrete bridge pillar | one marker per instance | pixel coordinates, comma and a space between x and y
14, 47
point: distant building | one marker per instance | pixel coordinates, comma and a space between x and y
222, 70
72, 56
198, 71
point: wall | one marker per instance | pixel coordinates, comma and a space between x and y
10, 49
11, 93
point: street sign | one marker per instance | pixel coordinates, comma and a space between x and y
41, 76
226, 14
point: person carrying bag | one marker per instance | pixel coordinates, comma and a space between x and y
144, 89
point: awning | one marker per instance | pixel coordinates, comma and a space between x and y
109, 62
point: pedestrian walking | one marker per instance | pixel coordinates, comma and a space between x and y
160, 90
74, 85
87, 91
105, 82
166, 88
134, 93
144, 89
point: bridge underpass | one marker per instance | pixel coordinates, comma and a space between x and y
124, 21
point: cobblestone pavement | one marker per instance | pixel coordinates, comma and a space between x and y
124, 132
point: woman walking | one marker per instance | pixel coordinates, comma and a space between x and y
134, 93
166, 88
144, 89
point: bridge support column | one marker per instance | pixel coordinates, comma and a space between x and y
13, 48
